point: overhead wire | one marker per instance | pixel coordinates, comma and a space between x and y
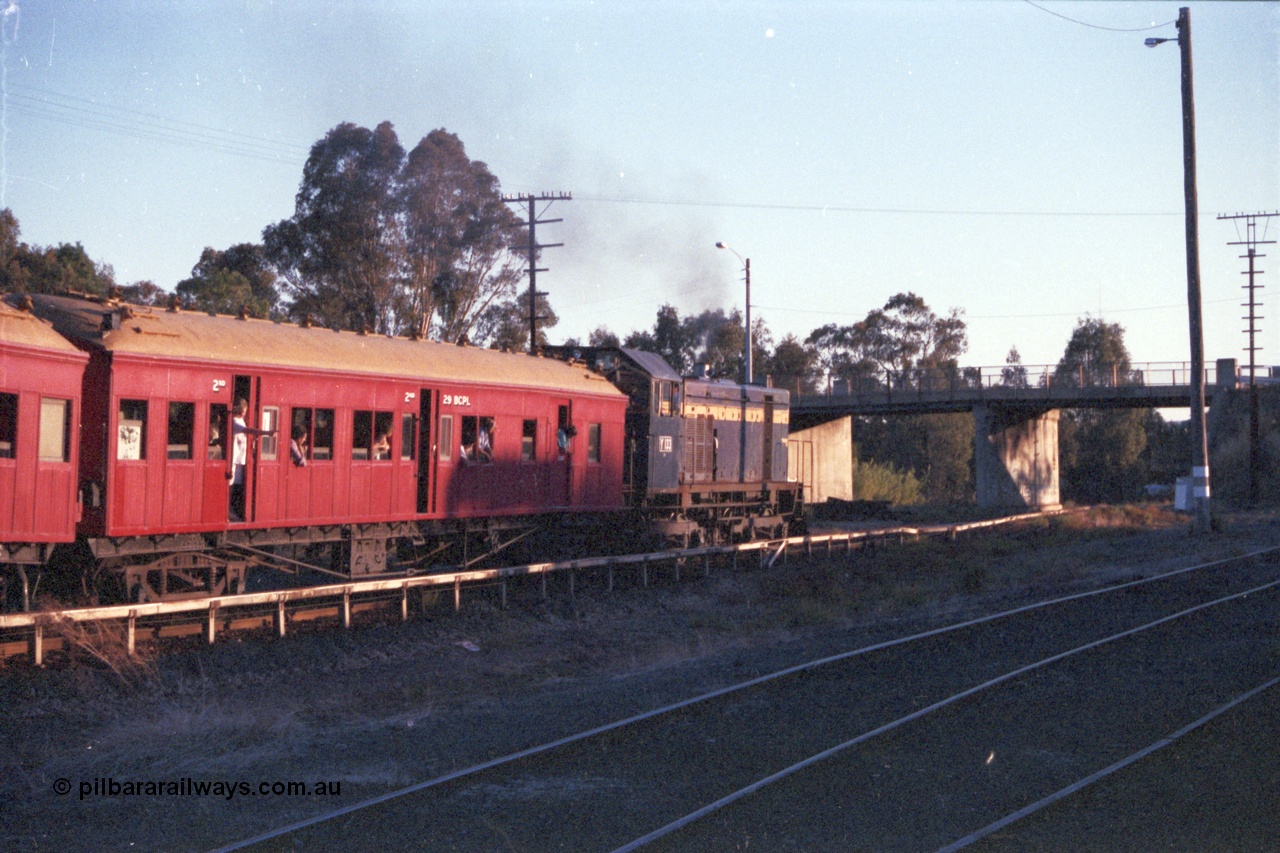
1099, 26
82, 112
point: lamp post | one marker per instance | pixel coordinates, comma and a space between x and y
746, 266
1199, 435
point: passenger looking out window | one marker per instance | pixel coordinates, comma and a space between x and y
298, 446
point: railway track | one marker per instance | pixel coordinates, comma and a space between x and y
33, 635
929, 741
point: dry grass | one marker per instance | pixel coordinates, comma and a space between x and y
105, 644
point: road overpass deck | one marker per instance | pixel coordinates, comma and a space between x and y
1035, 389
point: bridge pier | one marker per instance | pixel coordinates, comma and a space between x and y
1015, 456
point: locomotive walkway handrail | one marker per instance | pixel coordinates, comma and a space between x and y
225, 606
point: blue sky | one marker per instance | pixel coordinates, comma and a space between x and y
990, 156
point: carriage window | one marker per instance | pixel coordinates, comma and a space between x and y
268, 445
529, 442
8, 425
55, 430
408, 424
371, 435
470, 425
131, 430
217, 423
361, 435
300, 431
383, 427
182, 421
593, 442
446, 437
322, 439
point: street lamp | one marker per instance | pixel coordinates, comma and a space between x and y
746, 266
1199, 435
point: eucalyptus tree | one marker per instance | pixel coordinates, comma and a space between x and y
460, 240
230, 281
339, 256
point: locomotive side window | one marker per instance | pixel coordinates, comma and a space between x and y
182, 422
55, 430
217, 422
408, 435
446, 437
668, 399
529, 442
131, 430
8, 425
593, 442
268, 445
322, 440
662, 398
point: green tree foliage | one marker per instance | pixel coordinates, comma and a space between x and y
458, 239
393, 242
1099, 450
226, 282
144, 293
601, 337
506, 325
668, 339
53, 269
794, 365
904, 342
711, 338
338, 256
1013, 374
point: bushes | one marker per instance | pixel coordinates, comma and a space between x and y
875, 481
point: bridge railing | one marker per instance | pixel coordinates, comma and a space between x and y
1015, 378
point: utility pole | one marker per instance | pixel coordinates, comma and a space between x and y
1199, 435
1251, 243
534, 247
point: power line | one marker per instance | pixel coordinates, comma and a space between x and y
1099, 26
81, 112
837, 208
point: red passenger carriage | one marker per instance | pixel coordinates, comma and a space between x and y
40, 380
401, 441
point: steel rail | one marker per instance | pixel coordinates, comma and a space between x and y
729, 799
1063, 793
724, 691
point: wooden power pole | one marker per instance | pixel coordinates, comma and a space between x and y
533, 222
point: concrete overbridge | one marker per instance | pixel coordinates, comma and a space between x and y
1015, 412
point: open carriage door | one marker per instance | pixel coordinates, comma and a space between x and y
426, 458
560, 479
243, 450
217, 454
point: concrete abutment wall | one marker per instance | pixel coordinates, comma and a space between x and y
1015, 456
